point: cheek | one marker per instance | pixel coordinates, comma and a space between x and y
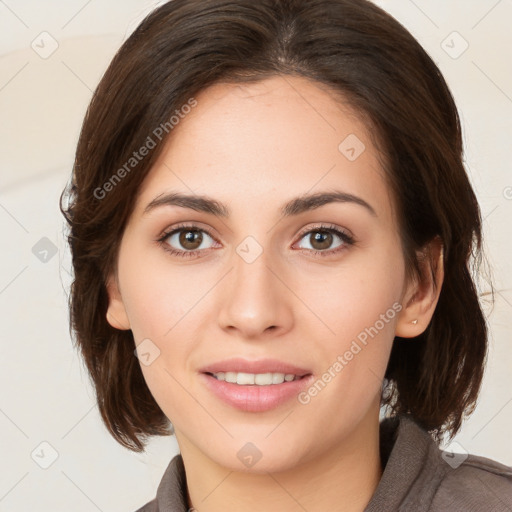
357, 294
167, 386
157, 293
360, 306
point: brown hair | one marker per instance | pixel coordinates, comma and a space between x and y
356, 49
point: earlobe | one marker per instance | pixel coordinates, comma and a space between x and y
116, 311
422, 295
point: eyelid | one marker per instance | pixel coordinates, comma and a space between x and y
326, 227
196, 226
168, 231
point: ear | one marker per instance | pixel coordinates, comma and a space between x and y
421, 296
116, 311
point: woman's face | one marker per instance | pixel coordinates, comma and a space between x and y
264, 280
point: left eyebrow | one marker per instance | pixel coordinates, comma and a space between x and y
296, 206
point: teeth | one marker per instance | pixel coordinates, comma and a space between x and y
258, 379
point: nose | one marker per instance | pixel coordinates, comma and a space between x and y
256, 300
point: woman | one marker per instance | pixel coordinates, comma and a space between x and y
271, 231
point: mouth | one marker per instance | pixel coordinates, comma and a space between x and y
256, 379
254, 371
255, 392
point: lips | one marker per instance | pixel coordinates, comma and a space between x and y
255, 398
240, 365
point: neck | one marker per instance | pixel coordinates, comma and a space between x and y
343, 478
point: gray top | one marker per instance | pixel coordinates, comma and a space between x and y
417, 477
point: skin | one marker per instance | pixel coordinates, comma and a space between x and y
253, 148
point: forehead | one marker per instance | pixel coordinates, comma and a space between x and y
267, 141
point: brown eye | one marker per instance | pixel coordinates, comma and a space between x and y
321, 240
186, 240
190, 239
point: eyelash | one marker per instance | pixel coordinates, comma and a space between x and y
345, 237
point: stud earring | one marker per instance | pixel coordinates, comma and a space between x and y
414, 322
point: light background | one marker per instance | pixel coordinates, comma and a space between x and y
45, 392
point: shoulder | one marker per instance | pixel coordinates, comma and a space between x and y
172, 490
420, 476
151, 506
474, 484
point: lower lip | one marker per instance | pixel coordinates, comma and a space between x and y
254, 398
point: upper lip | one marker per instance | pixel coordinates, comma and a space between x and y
238, 364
